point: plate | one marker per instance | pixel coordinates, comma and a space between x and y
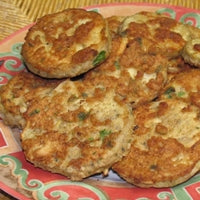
22, 180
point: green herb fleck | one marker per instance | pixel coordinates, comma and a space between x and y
36, 111
181, 94
159, 68
82, 116
117, 65
100, 57
169, 92
84, 94
104, 133
90, 139
153, 167
139, 40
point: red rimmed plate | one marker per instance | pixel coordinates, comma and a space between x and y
23, 181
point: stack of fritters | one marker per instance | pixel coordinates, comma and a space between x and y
135, 107
67, 43
22, 91
77, 132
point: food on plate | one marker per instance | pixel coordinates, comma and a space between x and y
77, 132
168, 35
19, 93
136, 75
130, 102
191, 52
184, 85
166, 146
66, 44
157, 28
113, 24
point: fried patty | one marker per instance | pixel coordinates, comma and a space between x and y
191, 52
166, 146
114, 22
77, 131
136, 110
168, 35
136, 75
157, 28
19, 93
66, 44
184, 85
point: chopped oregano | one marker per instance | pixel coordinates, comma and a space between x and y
139, 40
117, 65
90, 139
104, 133
159, 68
36, 111
99, 58
84, 94
181, 94
169, 92
153, 167
82, 116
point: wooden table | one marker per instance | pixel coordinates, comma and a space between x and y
15, 14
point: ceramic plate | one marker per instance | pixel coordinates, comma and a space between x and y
23, 181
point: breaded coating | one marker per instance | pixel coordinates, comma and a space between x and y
66, 44
137, 75
131, 102
168, 35
77, 131
114, 22
157, 28
19, 93
166, 146
184, 85
177, 65
191, 52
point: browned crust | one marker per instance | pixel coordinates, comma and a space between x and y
166, 150
19, 93
65, 44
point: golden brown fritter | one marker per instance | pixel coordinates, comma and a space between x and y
114, 22
19, 93
184, 85
157, 28
191, 52
137, 75
66, 44
77, 131
143, 94
166, 146
168, 35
